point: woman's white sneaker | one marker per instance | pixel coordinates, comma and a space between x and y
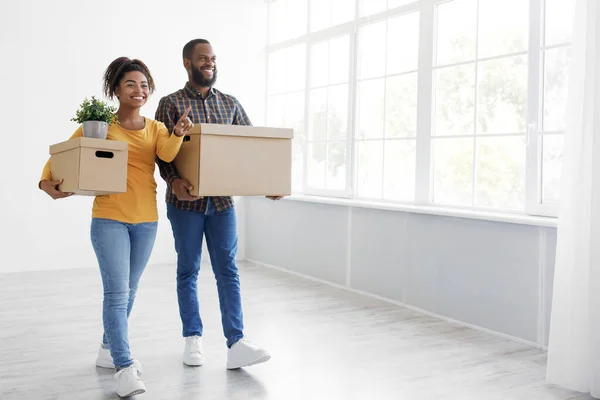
244, 354
104, 360
128, 382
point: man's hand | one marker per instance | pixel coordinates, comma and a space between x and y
181, 188
274, 197
51, 187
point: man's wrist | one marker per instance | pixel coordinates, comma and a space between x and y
172, 178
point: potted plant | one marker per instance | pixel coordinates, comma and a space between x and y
95, 116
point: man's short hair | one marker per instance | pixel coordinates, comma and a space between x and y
188, 49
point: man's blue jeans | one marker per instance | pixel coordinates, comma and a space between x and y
220, 231
123, 251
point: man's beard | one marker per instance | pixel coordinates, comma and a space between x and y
200, 80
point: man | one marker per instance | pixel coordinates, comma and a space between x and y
214, 217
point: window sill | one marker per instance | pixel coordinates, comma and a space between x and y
512, 218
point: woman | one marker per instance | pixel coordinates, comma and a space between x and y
123, 227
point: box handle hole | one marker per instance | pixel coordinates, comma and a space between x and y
186, 138
104, 154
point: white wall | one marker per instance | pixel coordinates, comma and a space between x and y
494, 275
53, 55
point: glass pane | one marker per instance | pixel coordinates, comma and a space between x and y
399, 170
370, 109
453, 171
559, 21
317, 126
296, 18
456, 31
369, 7
398, 3
455, 100
319, 14
556, 80
336, 166
276, 80
276, 21
297, 164
317, 157
401, 106
295, 75
339, 60
371, 50
294, 112
503, 27
276, 111
552, 161
502, 95
319, 60
342, 11
501, 172
294, 118
337, 112
403, 43
370, 169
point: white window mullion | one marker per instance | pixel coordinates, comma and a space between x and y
476, 110
308, 53
423, 168
352, 170
351, 160
534, 95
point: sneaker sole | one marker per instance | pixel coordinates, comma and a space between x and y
102, 364
259, 361
134, 393
193, 364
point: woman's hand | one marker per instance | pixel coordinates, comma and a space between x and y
51, 187
183, 126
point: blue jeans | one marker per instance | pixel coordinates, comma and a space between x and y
220, 231
123, 251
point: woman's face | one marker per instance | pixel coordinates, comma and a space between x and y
133, 89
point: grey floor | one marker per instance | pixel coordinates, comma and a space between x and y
326, 344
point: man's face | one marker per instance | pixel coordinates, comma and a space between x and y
203, 65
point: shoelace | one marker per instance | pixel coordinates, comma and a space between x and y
195, 345
131, 373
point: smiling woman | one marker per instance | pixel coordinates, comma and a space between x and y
124, 225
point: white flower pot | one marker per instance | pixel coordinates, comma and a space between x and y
95, 129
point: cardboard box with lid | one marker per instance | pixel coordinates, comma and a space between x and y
89, 166
237, 160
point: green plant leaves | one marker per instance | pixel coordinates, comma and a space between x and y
95, 110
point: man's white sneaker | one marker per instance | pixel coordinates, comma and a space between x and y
128, 382
244, 354
193, 355
104, 360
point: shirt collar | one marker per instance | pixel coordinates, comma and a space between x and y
193, 93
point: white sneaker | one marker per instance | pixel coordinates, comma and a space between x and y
128, 382
244, 354
104, 360
193, 355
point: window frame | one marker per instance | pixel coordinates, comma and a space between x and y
423, 190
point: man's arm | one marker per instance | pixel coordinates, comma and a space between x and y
167, 114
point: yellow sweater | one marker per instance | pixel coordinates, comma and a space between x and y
138, 204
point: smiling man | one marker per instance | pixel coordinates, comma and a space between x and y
212, 217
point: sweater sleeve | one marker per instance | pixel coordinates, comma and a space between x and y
46, 174
167, 145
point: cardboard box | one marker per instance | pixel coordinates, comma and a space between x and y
236, 160
89, 166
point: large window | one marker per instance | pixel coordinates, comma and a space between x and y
453, 103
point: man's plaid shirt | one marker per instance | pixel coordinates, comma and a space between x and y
217, 108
